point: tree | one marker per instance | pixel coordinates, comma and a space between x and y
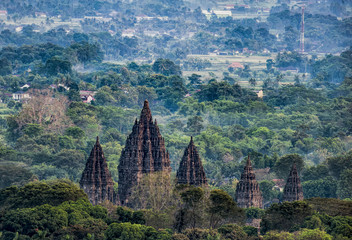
12, 174
297, 80
191, 212
290, 38
223, 209
324, 188
5, 67
194, 79
266, 187
39, 193
339, 163
275, 235
28, 221
288, 216
154, 191
195, 124
127, 231
269, 64
223, 90
252, 82
166, 67
44, 109
313, 234
145, 93
344, 186
283, 165
55, 65
87, 52
127, 215
232, 231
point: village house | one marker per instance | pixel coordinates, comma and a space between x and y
19, 96
87, 96
3, 13
235, 65
25, 86
40, 15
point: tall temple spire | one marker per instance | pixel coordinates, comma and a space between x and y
191, 170
247, 190
96, 180
293, 188
144, 153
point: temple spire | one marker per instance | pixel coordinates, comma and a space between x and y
247, 190
293, 189
144, 153
191, 170
146, 114
96, 180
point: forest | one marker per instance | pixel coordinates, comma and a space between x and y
304, 117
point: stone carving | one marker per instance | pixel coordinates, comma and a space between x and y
191, 170
144, 153
96, 180
293, 188
247, 190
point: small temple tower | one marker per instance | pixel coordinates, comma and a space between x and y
144, 153
96, 180
191, 170
293, 188
247, 191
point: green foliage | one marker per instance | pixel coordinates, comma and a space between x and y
222, 208
254, 213
288, 216
55, 65
324, 188
314, 234
275, 235
38, 193
127, 215
232, 231
223, 90
203, 234
330, 206
266, 187
339, 163
12, 174
344, 186
166, 67
29, 220
250, 231
284, 164
126, 231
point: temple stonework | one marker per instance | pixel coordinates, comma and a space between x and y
191, 170
293, 189
247, 190
96, 180
144, 153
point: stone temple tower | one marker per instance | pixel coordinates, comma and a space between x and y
247, 191
144, 153
293, 188
96, 180
191, 170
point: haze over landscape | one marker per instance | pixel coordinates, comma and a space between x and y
176, 120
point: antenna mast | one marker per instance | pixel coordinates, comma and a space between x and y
302, 32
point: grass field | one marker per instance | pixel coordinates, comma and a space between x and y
256, 64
